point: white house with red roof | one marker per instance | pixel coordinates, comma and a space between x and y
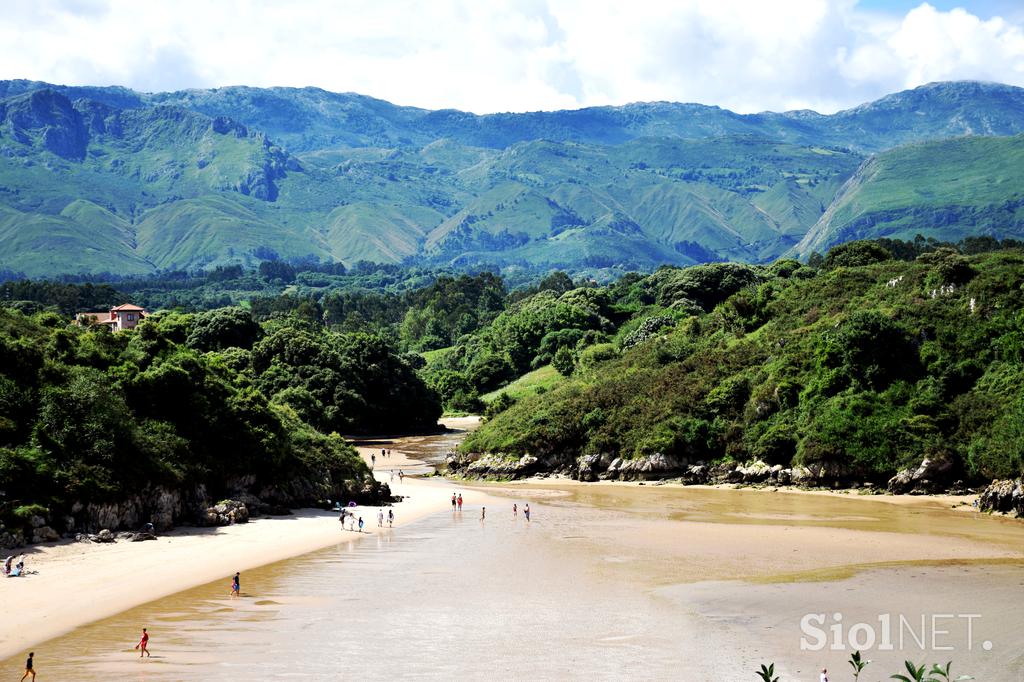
124, 316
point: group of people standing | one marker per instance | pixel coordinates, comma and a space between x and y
350, 521
384, 454
457, 507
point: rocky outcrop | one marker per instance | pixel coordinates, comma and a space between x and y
11, 538
1003, 496
659, 466
45, 118
106, 536
646, 468
165, 508
225, 513
932, 475
157, 505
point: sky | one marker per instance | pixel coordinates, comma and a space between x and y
523, 55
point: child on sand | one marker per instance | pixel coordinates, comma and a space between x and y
29, 667
360, 524
143, 645
236, 585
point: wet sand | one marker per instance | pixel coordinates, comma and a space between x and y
606, 581
78, 583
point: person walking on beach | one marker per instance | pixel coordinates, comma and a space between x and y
380, 518
341, 518
30, 668
526, 511
143, 645
360, 524
373, 461
453, 501
460, 501
515, 510
483, 513
401, 476
236, 585
391, 518
824, 675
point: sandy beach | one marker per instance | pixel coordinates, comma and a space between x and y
713, 563
78, 583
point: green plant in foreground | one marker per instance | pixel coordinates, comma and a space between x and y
858, 664
936, 674
943, 675
767, 673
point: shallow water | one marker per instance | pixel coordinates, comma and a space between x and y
605, 582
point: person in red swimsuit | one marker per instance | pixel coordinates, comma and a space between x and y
143, 645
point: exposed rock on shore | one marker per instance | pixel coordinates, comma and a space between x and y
165, 508
931, 476
226, 513
1003, 496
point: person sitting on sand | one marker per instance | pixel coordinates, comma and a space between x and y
30, 668
143, 645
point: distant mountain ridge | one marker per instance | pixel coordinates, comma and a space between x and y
98, 179
310, 118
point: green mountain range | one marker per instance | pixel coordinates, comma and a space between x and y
105, 179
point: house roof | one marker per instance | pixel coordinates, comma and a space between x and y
128, 307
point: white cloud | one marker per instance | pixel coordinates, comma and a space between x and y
482, 55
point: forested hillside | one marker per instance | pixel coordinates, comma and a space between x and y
848, 372
102, 428
848, 369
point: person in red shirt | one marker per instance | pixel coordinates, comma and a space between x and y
143, 645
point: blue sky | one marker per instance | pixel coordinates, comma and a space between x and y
984, 9
519, 55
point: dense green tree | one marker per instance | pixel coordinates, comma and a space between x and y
224, 328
